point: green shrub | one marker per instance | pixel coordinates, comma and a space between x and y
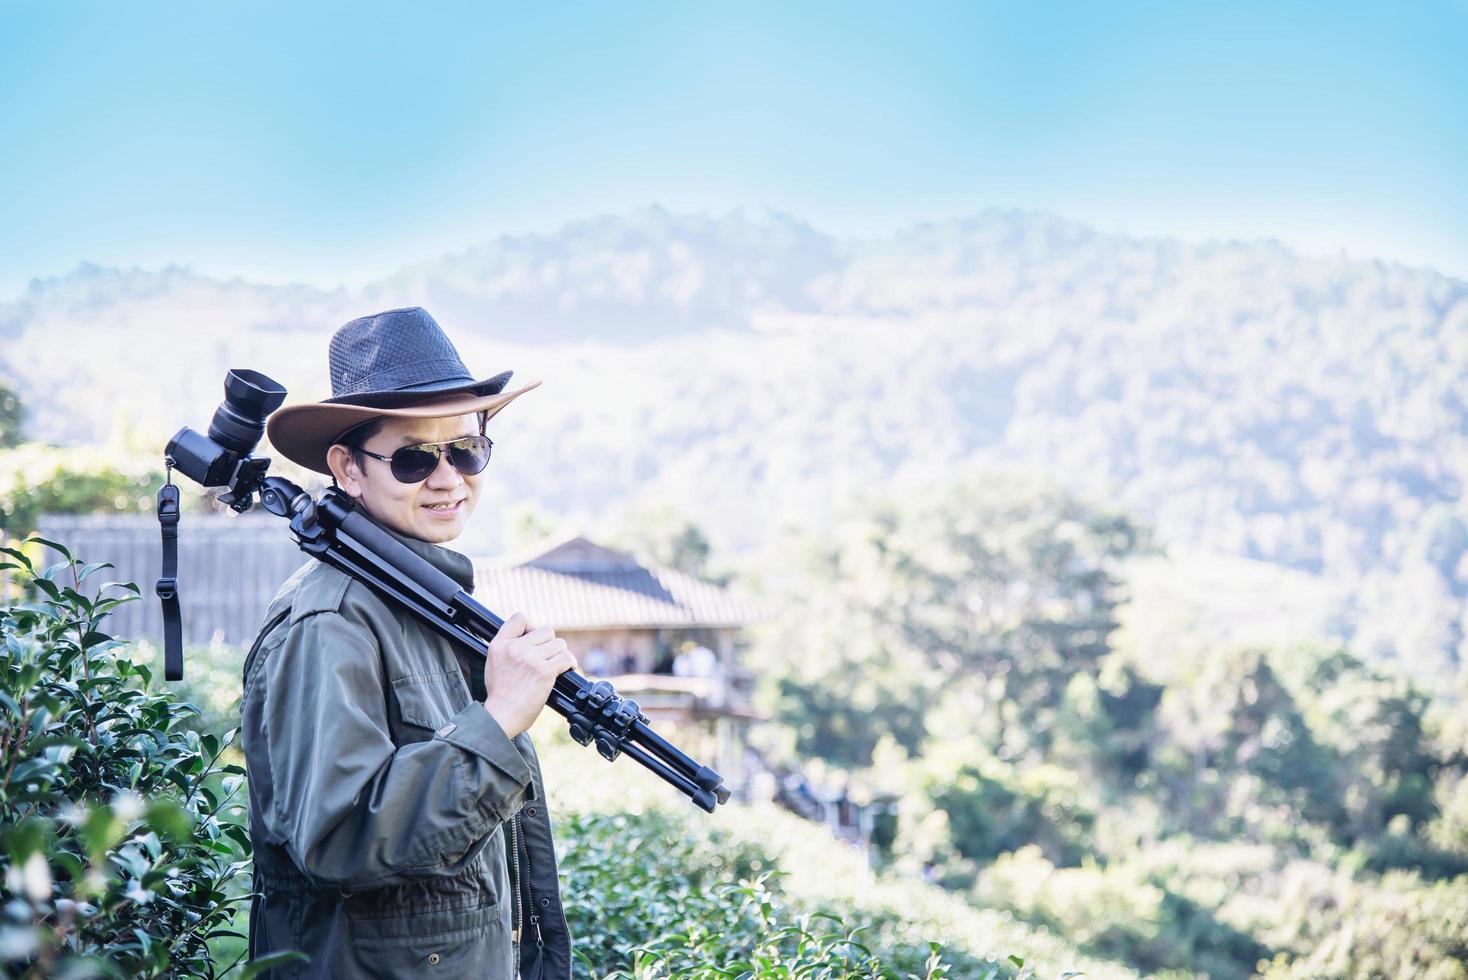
1119, 911
994, 812
641, 867
123, 853
1398, 927
654, 897
36, 479
1317, 917
12, 414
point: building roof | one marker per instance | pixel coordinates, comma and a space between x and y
574, 583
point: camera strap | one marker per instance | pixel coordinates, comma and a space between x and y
167, 587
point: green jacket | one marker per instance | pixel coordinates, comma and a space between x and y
390, 815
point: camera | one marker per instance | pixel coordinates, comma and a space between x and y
222, 458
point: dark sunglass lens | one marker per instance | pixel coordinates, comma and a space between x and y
412, 465
469, 456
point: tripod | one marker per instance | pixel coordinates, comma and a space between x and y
331, 531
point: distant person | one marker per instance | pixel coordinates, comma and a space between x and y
682, 666
702, 661
397, 810
598, 661
695, 661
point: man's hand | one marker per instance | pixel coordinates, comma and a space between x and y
521, 668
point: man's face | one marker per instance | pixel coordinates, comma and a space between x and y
434, 510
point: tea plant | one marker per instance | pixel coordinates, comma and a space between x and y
652, 900
123, 854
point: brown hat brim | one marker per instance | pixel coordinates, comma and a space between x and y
303, 433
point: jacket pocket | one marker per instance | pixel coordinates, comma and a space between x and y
455, 943
429, 700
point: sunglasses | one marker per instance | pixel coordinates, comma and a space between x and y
413, 464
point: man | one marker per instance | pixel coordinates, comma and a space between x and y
396, 805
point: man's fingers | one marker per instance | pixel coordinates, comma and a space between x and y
562, 662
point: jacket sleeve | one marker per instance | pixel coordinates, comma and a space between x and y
352, 809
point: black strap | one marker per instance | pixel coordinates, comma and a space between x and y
168, 585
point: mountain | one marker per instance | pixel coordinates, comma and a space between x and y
641, 278
751, 370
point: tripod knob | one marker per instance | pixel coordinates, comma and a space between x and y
608, 745
580, 728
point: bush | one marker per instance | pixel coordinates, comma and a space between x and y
993, 810
655, 898
1402, 927
36, 479
640, 866
1120, 911
124, 855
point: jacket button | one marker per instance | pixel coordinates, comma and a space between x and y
545, 903
433, 959
530, 810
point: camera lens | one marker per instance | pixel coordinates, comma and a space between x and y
239, 422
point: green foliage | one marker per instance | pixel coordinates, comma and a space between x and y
123, 847
956, 648
124, 856
37, 479
990, 591
1318, 917
1449, 832
1239, 746
1399, 929
1225, 811
655, 896
988, 816
1120, 912
641, 868
837, 725
12, 414
663, 533
1377, 722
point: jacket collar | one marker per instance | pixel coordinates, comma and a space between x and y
456, 566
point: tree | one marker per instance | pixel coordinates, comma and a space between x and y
665, 535
1241, 755
989, 591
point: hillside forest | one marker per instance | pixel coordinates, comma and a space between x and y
1132, 573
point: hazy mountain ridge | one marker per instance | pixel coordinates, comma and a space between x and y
1245, 399
642, 276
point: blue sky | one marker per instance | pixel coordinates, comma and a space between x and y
332, 143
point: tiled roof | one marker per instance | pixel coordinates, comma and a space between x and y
577, 584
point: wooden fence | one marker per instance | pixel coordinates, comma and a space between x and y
229, 569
